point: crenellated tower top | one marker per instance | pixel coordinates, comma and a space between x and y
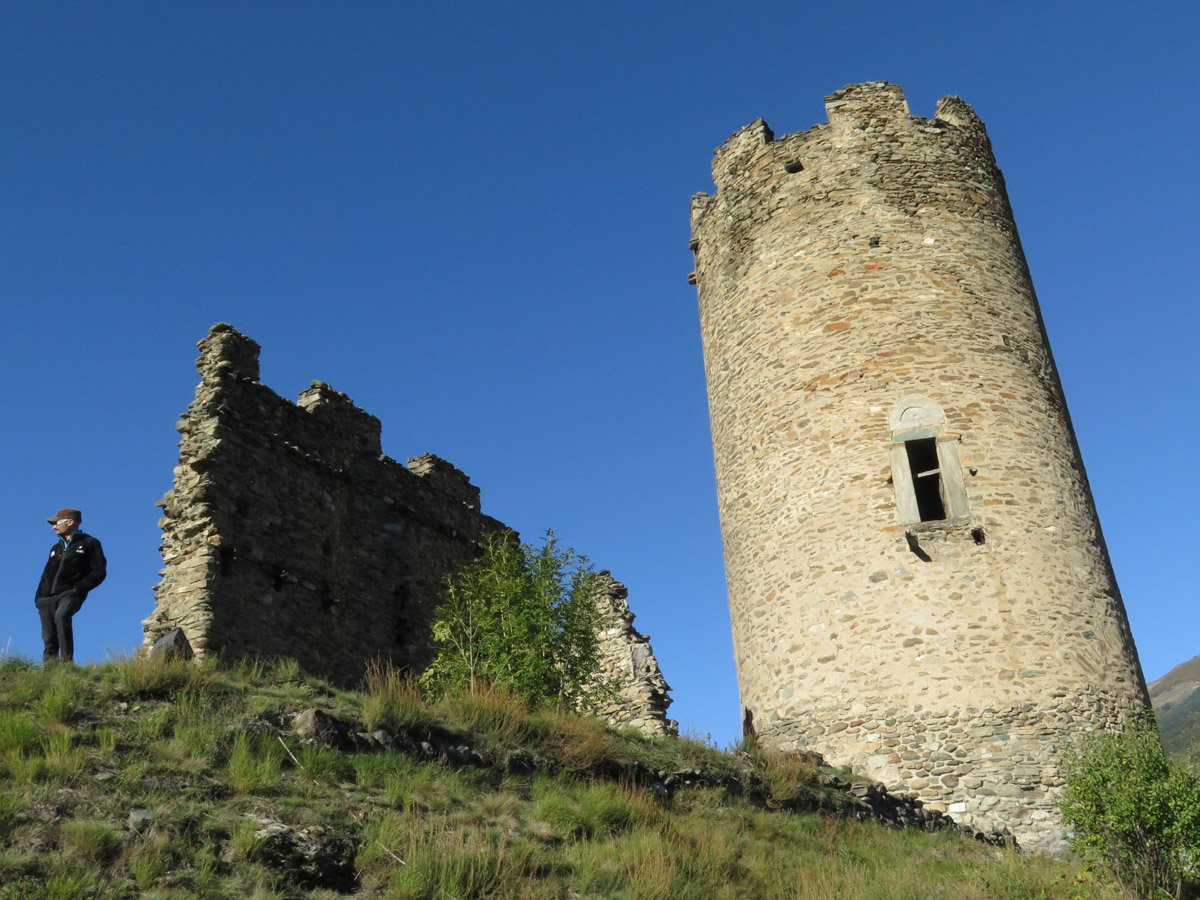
870, 119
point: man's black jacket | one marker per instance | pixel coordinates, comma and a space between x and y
76, 567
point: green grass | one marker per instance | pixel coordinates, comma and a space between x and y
191, 750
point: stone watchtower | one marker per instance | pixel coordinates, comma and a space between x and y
918, 582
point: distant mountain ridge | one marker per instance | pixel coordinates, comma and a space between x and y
1176, 699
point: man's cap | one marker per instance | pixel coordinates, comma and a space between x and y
66, 514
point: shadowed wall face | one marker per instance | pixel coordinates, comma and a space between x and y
918, 582
288, 533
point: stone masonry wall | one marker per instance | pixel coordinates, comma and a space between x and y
628, 660
864, 300
288, 533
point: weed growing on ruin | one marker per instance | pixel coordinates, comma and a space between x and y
522, 618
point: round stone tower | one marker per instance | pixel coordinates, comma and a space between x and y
918, 582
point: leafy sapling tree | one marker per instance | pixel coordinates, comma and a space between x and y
524, 618
1132, 813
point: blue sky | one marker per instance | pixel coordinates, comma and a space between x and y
473, 219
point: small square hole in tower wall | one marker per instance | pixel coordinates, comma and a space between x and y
927, 478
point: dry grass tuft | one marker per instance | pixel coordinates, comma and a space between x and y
393, 701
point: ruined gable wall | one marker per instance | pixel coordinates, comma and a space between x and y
628, 661
851, 276
289, 534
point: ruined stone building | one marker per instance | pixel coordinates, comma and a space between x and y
288, 533
918, 582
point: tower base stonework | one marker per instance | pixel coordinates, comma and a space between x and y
918, 583
288, 533
995, 768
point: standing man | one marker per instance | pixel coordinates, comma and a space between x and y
76, 565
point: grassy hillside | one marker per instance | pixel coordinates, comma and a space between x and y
139, 780
1177, 704
1185, 675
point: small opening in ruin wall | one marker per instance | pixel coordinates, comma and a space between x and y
793, 167
978, 535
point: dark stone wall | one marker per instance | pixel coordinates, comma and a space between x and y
288, 533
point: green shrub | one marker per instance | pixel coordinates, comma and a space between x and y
199, 723
284, 670
14, 664
786, 774
520, 618
21, 683
246, 841
1131, 813
371, 770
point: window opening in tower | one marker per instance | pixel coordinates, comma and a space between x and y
927, 478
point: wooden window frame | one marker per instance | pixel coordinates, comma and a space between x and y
917, 418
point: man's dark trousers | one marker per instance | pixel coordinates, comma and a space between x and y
55, 613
